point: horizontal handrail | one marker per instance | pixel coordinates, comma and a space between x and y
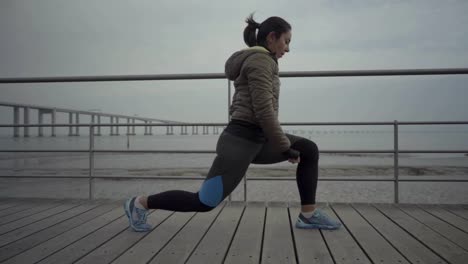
252, 178
198, 76
387, 123
331, 179
213, 151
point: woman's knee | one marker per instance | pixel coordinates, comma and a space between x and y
307, 148
205, 208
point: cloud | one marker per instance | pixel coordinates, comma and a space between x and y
57, 38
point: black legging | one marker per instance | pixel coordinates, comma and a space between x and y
234, 155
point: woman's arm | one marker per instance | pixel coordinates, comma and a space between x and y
259, 72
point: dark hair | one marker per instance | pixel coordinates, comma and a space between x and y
271, 24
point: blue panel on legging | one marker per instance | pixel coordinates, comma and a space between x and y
211, 191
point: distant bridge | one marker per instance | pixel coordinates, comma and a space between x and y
74, 118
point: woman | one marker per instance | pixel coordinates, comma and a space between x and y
253, 135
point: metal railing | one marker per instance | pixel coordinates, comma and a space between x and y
91, 150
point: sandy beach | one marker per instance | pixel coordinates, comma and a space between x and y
112, 166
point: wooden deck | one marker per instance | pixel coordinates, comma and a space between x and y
70, 231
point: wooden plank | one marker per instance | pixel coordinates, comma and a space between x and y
215, 245
4, 200
446, 249
343, 247
375, 246
28, 212
15, 209
35, 239
150, 245
7, 204
247, 243
122, 242
458, 210
77, 250
449, 217
37, 217
53, 245
278, 243
43, 224
179, 248
310, 246
453, 234
411, 248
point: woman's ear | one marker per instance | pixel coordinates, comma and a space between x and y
271, 37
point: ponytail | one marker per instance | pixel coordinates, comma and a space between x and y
250, 38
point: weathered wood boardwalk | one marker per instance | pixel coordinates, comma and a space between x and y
71, 231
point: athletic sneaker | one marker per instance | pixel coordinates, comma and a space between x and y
319, 220
136, 216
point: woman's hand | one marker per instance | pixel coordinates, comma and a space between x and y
292, 155
294, 161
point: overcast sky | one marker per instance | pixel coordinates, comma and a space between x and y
111, 37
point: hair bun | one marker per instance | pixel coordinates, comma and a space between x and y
254, 25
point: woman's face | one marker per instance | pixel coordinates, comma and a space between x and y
279, 46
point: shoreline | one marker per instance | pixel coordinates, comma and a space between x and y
324, 171
25, 155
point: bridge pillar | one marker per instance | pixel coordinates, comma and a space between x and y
70, 121
99, 127
112, 127
205, 130
53, 117
183, 130
169, 130
40, 115
117, 128
16, 121
131, 128
26, 121
146, 128
77, 121
93, 121
215, 130
194, 130
128, 127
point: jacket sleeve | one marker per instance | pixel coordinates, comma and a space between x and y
259, 73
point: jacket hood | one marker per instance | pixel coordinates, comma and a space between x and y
233, 65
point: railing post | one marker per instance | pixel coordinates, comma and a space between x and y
229, 115
396, 167
91, 162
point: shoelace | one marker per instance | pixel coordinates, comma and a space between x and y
322, 217
142, 215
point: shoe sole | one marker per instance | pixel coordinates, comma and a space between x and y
311, 226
